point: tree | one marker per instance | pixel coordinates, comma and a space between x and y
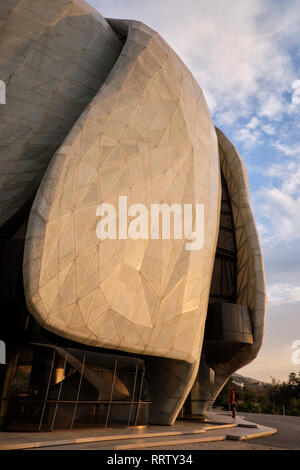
270, 398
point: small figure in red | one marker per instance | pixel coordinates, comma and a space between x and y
232, 402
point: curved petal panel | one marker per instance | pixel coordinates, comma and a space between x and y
53, 59
147, 135
251, 287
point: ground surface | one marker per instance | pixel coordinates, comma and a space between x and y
288, 429
217, 433
287, 437
223, 445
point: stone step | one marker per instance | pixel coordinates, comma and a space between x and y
32, 440
169, 442
237, 434
138, 438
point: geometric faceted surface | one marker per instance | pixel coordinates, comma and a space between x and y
97, 109
251, 287
147, 135
54, 56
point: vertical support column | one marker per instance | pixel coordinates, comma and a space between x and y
170, 382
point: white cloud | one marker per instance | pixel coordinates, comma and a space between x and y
248, 136
252, 133
269, 129
277, 208
253, 124
277, 202
289, 176
296, 84
288, 150
283, 293
271, 107
296, 95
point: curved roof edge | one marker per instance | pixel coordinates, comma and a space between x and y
251, 286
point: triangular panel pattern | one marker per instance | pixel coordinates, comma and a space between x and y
147, 135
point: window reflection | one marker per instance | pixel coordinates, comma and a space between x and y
63, 388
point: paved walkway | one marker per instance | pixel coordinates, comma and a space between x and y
288, 429
219, 427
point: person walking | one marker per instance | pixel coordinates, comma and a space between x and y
232, 402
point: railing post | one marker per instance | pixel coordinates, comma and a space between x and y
140, 396
59, 393
111, 393
133, 393
47, 391
78, 391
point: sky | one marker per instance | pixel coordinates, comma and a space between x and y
245, 55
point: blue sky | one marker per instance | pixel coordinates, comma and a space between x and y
246, 57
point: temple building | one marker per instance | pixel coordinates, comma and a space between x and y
119, 330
